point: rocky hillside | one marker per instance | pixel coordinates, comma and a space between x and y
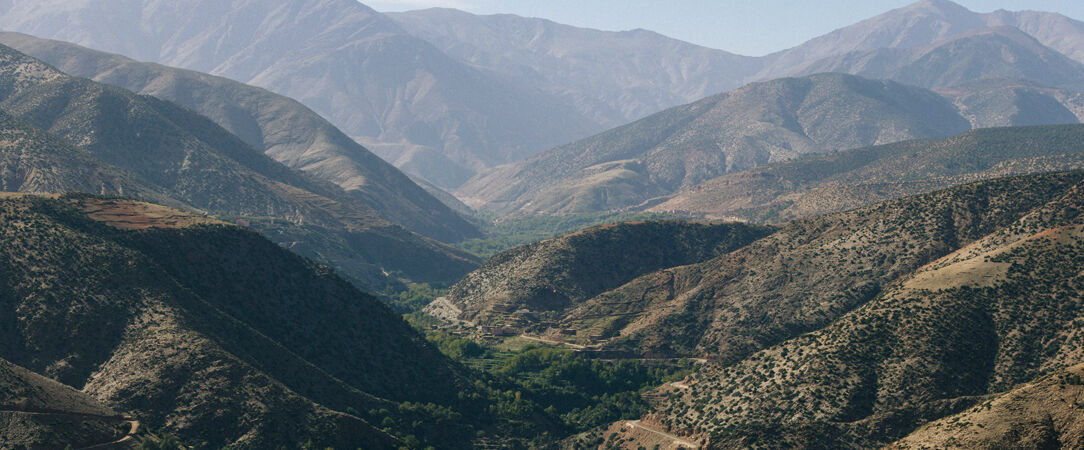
683, 146
825, 183
175, 152
36, 412
803, 276
1001, 310
1044, 413
211, 332
549, 277
282, 128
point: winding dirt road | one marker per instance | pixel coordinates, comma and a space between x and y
676, 439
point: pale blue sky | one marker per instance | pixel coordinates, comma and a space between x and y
749, 27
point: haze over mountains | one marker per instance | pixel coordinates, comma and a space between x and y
471, 92
152, 149
408, 101
686, 145
283, 128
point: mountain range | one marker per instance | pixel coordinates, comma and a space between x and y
831, 182
887, 251
850, 330
395, 93
1001, 310
282, 128
76, 134
445, 94
729, 132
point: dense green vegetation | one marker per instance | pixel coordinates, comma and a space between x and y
570, 390
413, 297
513, 232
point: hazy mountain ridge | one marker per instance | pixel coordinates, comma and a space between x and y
819, 184
399, 95
922, 24
683, 146
284, 129
194, 162
1000, 102
611, 77
1002, 52
501, 88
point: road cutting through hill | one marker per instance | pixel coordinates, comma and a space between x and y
132, 431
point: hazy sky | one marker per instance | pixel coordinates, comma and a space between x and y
749, 27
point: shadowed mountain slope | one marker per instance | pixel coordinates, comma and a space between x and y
208, 330
683, 146
282, 128
36, 412
551, 276
197, 163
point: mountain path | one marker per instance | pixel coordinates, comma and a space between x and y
550, 341
677, 439
135, 424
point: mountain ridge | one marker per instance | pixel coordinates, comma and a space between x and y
284, 129
682, 146
194, 162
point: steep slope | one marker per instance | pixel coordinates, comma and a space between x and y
730, 132
197, 163
825, 183
36, 412
282, 128
551, 276
1000, 311
1040, 414
399, 95
210, 331
1002, 52
611, 77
